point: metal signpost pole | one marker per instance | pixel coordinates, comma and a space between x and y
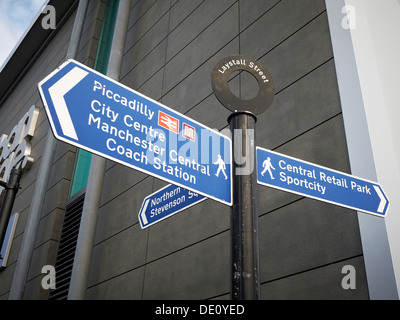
245, 279
245, 283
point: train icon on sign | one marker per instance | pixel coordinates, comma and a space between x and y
168, 122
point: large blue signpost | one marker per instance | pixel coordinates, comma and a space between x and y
95, 113
314, 181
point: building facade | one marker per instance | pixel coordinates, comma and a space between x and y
171, 47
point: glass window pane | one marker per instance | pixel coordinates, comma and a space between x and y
81, 171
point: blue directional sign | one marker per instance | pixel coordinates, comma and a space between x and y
166, 202
317, 182
96, 113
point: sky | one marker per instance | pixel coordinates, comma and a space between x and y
15, 17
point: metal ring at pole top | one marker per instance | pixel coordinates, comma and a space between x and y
220, 77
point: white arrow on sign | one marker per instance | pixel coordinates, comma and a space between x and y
382, 204
57, 92
143, 214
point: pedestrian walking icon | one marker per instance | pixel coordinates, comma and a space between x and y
267, 165
221, 166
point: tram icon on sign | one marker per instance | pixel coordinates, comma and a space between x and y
188, 132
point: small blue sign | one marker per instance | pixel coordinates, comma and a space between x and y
165, 203
93, 112
8, 239
317, 182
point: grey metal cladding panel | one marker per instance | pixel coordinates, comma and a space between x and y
150, 17
117, 180
196, 23
89, 42
270, 199
138, 9
152, 26
50, 227
300, 107
122, 211
299, 234
277, 24
200, 271
197, 84
182, 11
322, 283
42, 128
299, 54
6, 277
324, 145
61, 150
304, 235
24, 197
42, 255
146, 68
151, 39
251, 10
127, 286
16, 244
153, 87
56, 197
121, 253
187, 227
62, 169
203, 47
93, 24
23, 215
211, 113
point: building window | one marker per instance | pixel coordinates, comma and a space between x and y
81, 173
83, 159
